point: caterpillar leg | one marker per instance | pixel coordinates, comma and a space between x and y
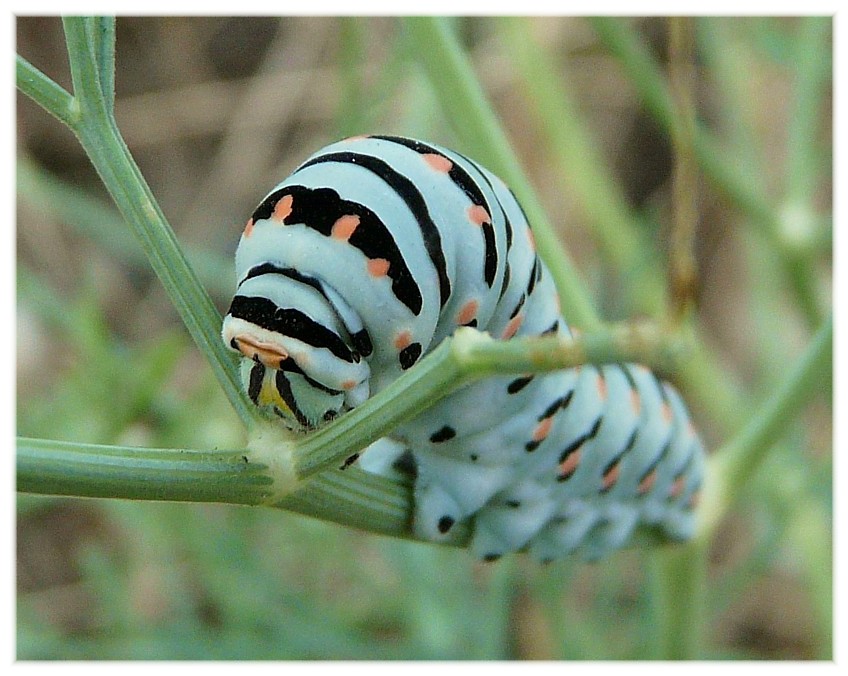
447, 491
511, 520
565, 532
612, 529
382, 457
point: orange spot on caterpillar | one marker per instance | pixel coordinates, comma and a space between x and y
348, 384
512, 327
602, 388
248, 229
610, 477
647, 483
531, 238
666, 412
635, 401
378, 267
677, 487
568, 466
283, 208
270, 354
542, 429
478, 215
438, 162
403, 339
467, 312
345, 227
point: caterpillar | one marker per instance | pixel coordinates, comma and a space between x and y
373, 251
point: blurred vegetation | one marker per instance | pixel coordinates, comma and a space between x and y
216, 111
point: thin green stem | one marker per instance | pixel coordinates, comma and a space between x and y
46, 93
79, 36
135, 201
682, 273
360, 500
353, 498
721, 167
89, 470
679, 578
812, 64
99, 136
468, 356
476, 123
103, 37
733, 465
611, 220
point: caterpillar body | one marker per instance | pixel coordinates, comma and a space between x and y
371, 253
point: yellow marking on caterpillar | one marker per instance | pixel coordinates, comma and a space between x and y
269, 395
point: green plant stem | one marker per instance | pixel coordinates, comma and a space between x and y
732, 466
682, 269
46, 93
356, 499
103, 41
136, 203
679, 574
608, 215
465, 102
813, 67
467, 356
718, 165
99, 136
64, 468
678, 577
89, 470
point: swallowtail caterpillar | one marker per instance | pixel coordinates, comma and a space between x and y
376, 249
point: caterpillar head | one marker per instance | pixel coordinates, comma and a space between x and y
297, 359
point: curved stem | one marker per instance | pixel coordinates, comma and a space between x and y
603, 205
467, 356
460, 92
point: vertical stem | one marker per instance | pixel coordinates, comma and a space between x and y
103, 37
679, 581
679, 573
452, 75
583, 169
682, 273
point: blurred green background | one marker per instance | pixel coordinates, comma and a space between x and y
218, 110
